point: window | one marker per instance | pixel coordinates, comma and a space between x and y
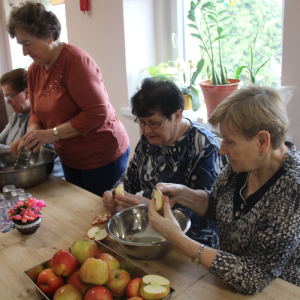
247, 16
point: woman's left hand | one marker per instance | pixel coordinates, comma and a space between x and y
38, 138
165, 225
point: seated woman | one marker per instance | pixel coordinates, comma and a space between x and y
255, 201
14, 85
171, 149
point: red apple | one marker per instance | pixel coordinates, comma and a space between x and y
67, 292
75, 279
34, 272
98, 293
113, 263
94, 271
135, 298
63, 263
48, 282
133, 287
117, 282
84, 248
47, 264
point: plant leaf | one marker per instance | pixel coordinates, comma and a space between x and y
224, 19
219, 30
193, 26
196, 35
239, 70
219, 38
212, 18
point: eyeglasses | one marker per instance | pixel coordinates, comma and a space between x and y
152, 125
10, 97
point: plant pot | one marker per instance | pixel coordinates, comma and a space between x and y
215, 94
29, 228
187, 102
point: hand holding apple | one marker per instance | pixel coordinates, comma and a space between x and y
120, 189
67, 292
159, 200
63, 263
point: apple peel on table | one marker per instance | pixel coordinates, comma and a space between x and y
97, 234
100, 219
159, 200
120, 189
154, 287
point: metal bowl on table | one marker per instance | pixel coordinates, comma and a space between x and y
130, 228
40, 168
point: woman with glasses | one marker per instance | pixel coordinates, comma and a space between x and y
172, 149
14, 86
69, 103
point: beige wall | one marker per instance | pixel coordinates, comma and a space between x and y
291, 63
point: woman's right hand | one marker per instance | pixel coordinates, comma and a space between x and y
109, 203
173, 191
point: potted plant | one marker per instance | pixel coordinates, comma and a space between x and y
213, 19
251, 69
26, 215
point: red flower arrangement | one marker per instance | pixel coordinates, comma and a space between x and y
26, 212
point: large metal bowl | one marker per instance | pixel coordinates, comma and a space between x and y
131, 230
40, 167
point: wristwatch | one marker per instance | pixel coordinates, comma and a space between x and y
55, 131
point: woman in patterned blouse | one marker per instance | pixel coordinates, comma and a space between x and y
171, 149
255, 201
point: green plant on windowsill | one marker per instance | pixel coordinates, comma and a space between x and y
188, 86
209, 14
251, 70
162, 70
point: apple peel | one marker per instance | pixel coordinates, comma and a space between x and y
100, 219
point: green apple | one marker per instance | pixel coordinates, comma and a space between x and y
94, 271
113, 263
117, 282
67, 292
84, 248
154, 287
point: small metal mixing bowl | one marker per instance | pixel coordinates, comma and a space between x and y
130, 228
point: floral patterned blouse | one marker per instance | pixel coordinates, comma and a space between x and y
259, 238
193, 161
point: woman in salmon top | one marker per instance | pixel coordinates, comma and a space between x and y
69, 103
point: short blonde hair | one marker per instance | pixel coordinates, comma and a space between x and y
251, 109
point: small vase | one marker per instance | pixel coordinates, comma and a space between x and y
187, 102
29, 228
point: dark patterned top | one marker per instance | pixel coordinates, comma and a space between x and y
259, 240
193, 161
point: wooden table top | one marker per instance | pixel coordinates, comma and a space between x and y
68, 216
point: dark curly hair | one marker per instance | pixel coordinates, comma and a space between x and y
34, 18
17, 79
157, 94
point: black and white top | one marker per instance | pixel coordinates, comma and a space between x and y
259, 240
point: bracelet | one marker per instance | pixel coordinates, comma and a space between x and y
196, 259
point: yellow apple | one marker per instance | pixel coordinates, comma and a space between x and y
94, 271
154, 287
120, 189
159, 201
113, 263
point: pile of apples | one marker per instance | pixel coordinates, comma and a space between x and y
85, 273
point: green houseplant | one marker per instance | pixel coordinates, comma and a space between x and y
209, 20
251, 70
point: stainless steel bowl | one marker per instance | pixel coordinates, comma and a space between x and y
40, 168
131, 230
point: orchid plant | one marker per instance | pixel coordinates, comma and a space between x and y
26, 212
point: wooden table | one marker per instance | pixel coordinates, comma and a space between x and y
68, 216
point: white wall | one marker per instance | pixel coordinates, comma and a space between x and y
291, 63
